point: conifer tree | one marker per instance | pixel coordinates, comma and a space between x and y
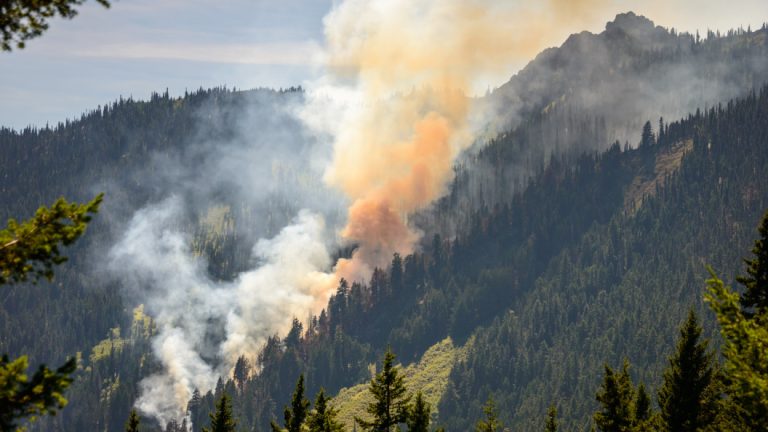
616, 397
390, 405
745, 351
28, 251
755, 298
491, 422
643, 410
222, 420
418, 415
132, 425
323, 417
551, 425
296, 414
685, 398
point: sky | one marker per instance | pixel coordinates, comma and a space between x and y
142, 46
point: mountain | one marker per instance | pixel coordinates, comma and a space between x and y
571, 236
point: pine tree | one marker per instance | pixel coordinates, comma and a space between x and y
323, 417
222, 420
133, 422
616, 397
684, 397
642, 408
296, 414
744, 349
241, 372
551, 425
647, 136
418, 415
32, 248
390, 405
755, 298
491, 422
22, 20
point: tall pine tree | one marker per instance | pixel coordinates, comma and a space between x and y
755, 298
491, 423
390, 405
222, 420
616, 397
418, 415
132, 425
551, 424
323, 417
296, 414
685, 398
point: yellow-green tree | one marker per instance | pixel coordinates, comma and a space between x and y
29, 251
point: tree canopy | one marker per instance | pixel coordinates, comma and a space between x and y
22, 20
390, 405
32, 248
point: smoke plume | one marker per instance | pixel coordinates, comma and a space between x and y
411, 66
393, 111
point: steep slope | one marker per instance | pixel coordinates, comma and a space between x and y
550, 253
597, 89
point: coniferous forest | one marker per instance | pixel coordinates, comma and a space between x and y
590, 266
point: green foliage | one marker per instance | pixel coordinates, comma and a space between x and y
745, 349
390, 405
686, 398
419, 415
430, 376
296, 414
222, 420
32, 247
491, 422
323, 417
755, 298
21, 20
551, 424
643, 409
21, 397
132, 425
616, 397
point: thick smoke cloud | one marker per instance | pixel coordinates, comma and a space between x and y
405, 69
188, 306
246, 175
372, 142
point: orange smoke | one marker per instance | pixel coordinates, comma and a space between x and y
412, 63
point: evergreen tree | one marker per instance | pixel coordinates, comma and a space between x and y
32, 247
418, 415
491, 422
241, 372
755, 298
647, 136
296, 414
685, 398
133, 422
390, 405
616, 397
22, 20
643, 410
396, 273
745, 352
222, 420
551, 425
323, 417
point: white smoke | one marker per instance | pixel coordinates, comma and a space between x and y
154, 257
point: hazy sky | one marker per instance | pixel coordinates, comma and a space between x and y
140, 46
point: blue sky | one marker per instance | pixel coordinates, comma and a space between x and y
140, 46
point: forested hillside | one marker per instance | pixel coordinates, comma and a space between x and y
577, 235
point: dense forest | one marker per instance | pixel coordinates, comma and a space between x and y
572, 240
